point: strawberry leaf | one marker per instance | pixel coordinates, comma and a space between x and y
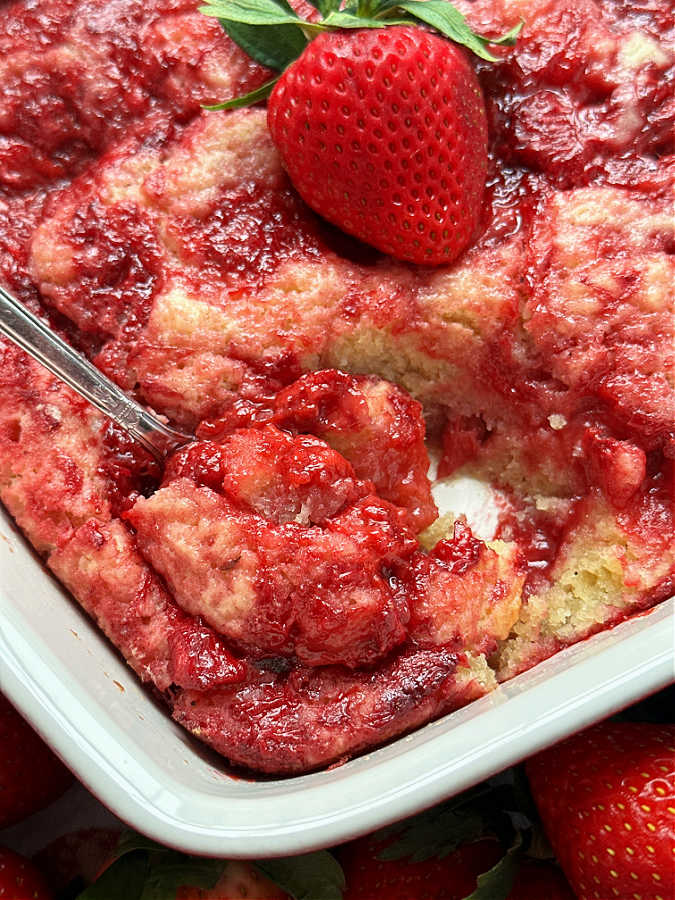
347, 19
509, 39
449, 22
439, 831
122, 880
246, 99
273, 34
144, 870
496, 883
252, 12
312, 876
538, 846
130, 841
169, 871
275, 47
325, 7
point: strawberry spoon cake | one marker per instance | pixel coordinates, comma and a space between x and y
285, 583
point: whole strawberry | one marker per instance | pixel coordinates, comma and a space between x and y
607, 800
380, 124
451, 878
31, 776
454, 877
384, 133
471, 847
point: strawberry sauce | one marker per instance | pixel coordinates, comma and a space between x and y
247, 233
130, 470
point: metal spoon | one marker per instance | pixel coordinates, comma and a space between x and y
33, 336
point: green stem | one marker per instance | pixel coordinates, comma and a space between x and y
390, 13
366, 8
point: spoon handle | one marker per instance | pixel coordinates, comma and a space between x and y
33, 335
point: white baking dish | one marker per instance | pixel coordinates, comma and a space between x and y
81, 696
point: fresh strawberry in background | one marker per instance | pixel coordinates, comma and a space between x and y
31, 776
20, 879
453, 877
140, 869
476, 846
379, 122
607, 800
484, 844
72, 861
540, 880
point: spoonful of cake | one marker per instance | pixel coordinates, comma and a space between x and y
31, 334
